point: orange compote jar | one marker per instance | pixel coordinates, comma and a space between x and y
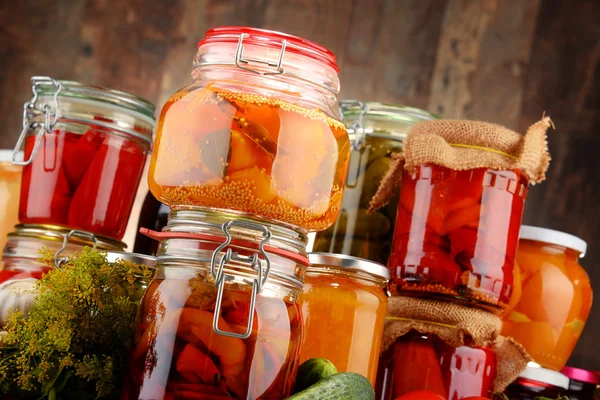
553, 296
10, 186
257, 132
344, 304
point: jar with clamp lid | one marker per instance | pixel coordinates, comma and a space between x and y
376, 131
221, 316
10, 186
21, 265
258, 131
85, 151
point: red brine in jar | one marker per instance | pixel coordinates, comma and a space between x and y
456, 234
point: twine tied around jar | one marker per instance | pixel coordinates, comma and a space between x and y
462, 145
456, 325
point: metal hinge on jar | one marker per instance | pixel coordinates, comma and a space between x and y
30, 109
359, 131
240, 61
60, 261
256, 263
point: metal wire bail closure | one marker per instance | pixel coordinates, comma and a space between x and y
59, 262
358, 140
256, 264
29, 109
240, 61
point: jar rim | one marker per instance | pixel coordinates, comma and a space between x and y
546, 376
271, 39
136, 258
344, 262
551, 236
6, 155
581, 375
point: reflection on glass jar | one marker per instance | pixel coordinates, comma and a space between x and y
20, 259
376, 131
419, 361
344, 307
227, 326
537, 382
85, 150
265, 144
552, 297
456, 234
10, 184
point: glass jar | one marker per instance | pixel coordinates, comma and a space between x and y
582, 384
344, 304
376, 131
85, 149
221, 314
10, 185
258, 131
456, 234
538, 382
555, 296
418, 361
20, 259
153, 216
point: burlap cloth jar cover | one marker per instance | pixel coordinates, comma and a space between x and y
463, 145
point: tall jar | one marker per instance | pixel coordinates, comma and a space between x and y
221, 314
344, 304
376, 131
552, 296
85, 149
20, 264
456, 234
257, 132
10, 186
423, 361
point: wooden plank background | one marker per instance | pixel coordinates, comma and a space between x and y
504, 61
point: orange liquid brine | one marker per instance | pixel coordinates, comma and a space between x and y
10, 184
250, 153
343, 322
176, 354
553, 305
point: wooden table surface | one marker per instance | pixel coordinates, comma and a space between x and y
504, 61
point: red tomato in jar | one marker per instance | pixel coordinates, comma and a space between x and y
421, 395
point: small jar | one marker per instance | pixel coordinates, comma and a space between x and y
582, 384
153, 216
422, 361
553, 296
376, 131
85, 150
10, 186
538, 382
258, 131
456, 235
20, 258
344, 304
221, 314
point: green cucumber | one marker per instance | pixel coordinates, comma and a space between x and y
345, 386
312, 371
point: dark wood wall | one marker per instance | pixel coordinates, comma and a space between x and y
504, 61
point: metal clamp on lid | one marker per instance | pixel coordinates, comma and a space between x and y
87, 235
256, 264
239, 60
358, 127
29, 110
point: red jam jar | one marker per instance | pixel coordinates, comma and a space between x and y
85, 151
418, 361
583, 384
537, 382
456, 234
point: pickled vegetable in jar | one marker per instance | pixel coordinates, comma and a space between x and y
220, 318
85, 151
537, 382
456, 234
20, 259
344, 306
376, 131
257, 132
553, 297
10, 184
419, 361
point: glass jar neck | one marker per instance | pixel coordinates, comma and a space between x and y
361, 277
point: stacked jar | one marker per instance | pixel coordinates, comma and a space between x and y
85, 148
248, 158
